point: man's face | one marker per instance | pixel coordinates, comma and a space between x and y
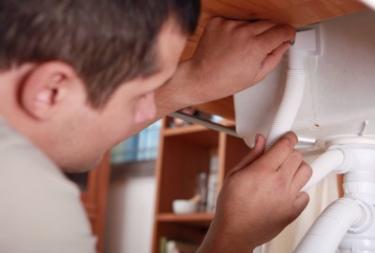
88, 133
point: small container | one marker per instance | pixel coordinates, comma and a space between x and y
182, 206
201, 190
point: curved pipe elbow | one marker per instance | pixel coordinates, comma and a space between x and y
329, 161
327, 232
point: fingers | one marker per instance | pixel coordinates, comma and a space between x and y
276, 156
301, 177
291, 165
262, 26
272, 60
260, 144
255, 153
276, 36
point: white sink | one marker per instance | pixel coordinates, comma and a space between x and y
339, 95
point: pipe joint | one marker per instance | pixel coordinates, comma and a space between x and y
348, 159
364, 220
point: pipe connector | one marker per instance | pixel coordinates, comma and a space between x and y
332, 224
307, 43
348, 159
364, 220
326, 163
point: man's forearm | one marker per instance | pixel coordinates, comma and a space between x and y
220, 67
177, 94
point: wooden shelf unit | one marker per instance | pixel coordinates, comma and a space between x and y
183, 153
198, 219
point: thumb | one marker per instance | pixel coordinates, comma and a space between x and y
255, 153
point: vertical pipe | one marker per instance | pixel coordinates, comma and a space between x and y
306, 44
292, 98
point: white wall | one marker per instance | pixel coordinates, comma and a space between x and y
131, 209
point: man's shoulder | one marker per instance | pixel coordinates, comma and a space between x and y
23, 164
40, 207
15, 150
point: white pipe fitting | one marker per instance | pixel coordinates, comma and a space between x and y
349, 222
327, 232
342, 159
329, 161
305, 44
290, 104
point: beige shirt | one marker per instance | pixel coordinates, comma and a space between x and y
40, 210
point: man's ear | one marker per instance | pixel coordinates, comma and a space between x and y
44, 87
145, 108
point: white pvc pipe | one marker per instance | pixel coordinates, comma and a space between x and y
292, 98
329, 161
369, 3
327, 232
306, 43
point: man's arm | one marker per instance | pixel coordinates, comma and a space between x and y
231, 56
262, 194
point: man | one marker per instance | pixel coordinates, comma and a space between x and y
79, 76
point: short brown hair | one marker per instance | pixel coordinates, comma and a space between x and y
107, 42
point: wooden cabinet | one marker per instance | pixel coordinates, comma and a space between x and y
295, 12
183, 153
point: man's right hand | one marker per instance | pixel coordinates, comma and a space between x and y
259, 198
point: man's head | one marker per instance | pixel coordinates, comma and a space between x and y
76, 75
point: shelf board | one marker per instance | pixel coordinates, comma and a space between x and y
193, 134
184, 130
196, 218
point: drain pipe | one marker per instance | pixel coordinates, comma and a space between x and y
331, 226
348, 223
306, 43
331, 160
